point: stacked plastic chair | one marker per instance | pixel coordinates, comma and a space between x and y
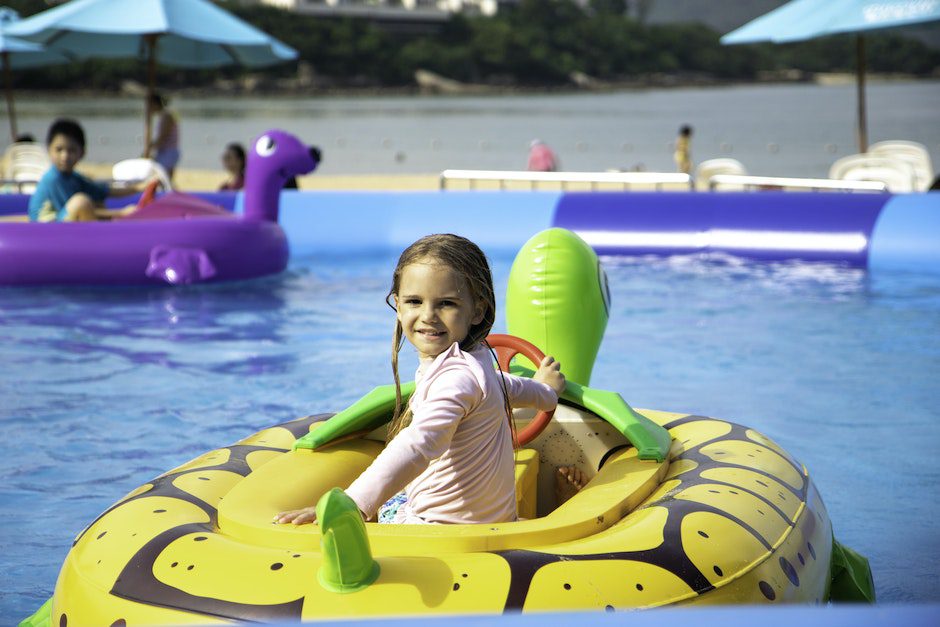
904, 166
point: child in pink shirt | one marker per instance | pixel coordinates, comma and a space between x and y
541, 157
451, 449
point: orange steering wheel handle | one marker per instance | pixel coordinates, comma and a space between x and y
148, 194
506, 347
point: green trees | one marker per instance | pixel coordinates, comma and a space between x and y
537, 43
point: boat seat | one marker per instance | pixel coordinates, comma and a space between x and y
527, 482
132, 171
298, 479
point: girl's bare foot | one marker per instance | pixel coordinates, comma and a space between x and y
568, 482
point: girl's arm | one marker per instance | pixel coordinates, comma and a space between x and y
450, 396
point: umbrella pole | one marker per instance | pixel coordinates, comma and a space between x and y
151, 81
8, 82
860, 82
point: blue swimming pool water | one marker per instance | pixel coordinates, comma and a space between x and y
103, 389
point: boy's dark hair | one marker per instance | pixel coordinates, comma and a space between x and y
685, 130
239, 152
68, 127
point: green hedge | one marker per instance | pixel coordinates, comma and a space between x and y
536, 43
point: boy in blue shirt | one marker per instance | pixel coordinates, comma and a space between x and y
63, 194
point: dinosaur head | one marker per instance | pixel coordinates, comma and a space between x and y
273, 159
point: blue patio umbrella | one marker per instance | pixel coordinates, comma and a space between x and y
18, 54
800, 20
179, 33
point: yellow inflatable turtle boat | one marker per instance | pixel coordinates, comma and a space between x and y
679, 509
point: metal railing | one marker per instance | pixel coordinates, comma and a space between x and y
627, 179
779, 182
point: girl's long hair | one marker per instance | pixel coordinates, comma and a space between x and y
466, 259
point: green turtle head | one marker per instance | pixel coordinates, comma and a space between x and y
558, 299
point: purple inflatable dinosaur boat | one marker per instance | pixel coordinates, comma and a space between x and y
176, 239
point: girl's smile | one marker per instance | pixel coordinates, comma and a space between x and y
435, 307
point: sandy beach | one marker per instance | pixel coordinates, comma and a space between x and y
195, 180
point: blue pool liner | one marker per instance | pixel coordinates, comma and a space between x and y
907, 233
926, 615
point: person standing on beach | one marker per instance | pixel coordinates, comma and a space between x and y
541, 157
166, 143
683, 153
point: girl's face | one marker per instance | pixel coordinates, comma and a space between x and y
435, 307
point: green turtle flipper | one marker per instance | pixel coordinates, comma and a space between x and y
41, 618
851, 576
347, 558
652, 442
369, 412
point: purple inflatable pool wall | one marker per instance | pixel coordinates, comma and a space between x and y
760, 226
861, 230
176, 239
872, 231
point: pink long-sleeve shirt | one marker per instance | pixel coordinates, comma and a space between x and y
455, 459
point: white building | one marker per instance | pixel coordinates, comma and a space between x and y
373, 8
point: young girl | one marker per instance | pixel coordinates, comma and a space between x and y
451, 450
233, 160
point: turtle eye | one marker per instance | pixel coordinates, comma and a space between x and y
265, 146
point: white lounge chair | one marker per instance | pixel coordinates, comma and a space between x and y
897, 174
26, 162
137, 170
916, 155
710, 167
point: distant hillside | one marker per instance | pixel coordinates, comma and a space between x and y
721, 15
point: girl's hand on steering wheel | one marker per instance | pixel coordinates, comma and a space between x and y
549, 373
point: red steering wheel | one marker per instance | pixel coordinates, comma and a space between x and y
148, 194
506, 347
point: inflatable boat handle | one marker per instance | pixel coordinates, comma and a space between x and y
368, 413
347, 558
